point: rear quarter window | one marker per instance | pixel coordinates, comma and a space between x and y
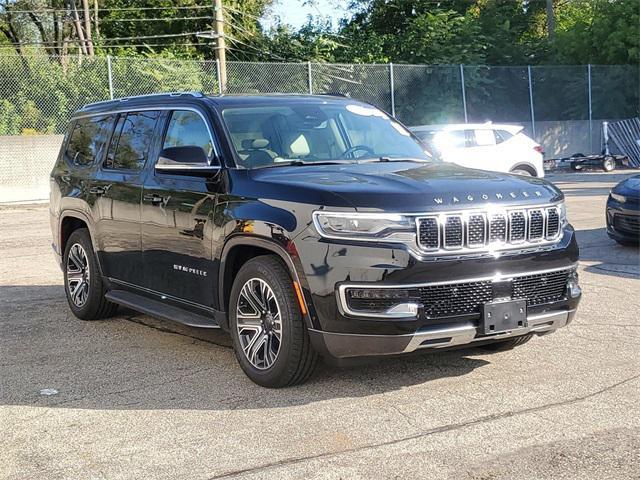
502, 136
87, 139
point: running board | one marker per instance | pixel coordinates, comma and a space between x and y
159, 309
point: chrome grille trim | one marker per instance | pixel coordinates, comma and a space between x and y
343, 304
519, 227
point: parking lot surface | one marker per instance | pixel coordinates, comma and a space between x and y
136, 397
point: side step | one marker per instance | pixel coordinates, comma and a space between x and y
159, 309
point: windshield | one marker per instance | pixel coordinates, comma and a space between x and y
266, 136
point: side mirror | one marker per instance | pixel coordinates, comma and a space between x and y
185, 160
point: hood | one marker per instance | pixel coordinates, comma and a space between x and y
403, 186
629, 187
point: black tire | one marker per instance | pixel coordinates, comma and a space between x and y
609, 164
95, 305
576, 167
504, 345
520, 171
628, 243
295, 359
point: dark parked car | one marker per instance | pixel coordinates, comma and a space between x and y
623, 212
305, 226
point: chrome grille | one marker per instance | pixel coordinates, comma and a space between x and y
428, 233
536, 224
498, 228
475, 230
553, 222
517, 226
453, 232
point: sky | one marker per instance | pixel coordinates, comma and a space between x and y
295, 13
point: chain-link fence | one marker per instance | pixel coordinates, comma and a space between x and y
562, 107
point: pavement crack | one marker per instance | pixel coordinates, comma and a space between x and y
429, 432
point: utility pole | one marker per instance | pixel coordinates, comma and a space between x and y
221, 54
551, 22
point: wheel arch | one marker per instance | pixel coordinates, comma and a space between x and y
70, 221
525, 166
240, 249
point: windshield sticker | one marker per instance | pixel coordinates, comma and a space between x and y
366, 111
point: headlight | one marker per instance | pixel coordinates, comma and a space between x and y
365, 226
618, 197
562, 208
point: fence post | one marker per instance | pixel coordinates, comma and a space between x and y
110, 74
533, 116
464, 94
219, 76
590, 109
392, 88
309, 78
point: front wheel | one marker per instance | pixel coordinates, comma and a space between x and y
270, 340
520, 171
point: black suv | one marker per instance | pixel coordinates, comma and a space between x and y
305, 226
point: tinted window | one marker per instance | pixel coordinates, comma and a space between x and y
87, 139
187, 128
131, 140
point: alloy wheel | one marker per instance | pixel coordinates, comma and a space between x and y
78, 275
259, 323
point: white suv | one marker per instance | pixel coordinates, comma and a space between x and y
487, 146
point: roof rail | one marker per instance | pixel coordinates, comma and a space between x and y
148, 95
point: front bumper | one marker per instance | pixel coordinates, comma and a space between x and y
344, 345
629, 210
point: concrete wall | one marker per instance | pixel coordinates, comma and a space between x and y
25, 164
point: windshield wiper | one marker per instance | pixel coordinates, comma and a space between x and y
301, 163
384, 159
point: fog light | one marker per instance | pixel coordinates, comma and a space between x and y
573, 288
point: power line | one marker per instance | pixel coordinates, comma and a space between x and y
114, 9
166, 19
114, 45
235, 10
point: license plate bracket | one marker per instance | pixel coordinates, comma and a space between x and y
503, 316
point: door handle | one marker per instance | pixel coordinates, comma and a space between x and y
153, 198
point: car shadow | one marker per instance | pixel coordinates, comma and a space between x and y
604, 256
134, 361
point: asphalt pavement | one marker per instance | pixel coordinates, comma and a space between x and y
134, 397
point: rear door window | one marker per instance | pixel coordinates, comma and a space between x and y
484, 137
88, 139
131, 140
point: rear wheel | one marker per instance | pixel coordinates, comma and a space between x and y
520, 171
82, 279
508, 344
270, 340
609, 164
